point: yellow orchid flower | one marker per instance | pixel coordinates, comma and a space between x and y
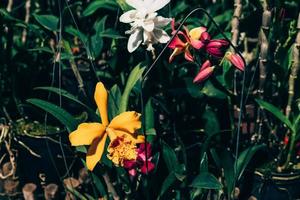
121, 132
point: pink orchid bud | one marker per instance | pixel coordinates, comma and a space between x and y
205, 71
236, 61
215, 47
205, 37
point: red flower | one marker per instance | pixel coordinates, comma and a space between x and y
143, 161
236, 60
286, 140
189, 39
205, 71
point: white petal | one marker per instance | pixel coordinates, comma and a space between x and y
128, 16
148, 25
161, 21
137, 4
157, 5
161, 36
134, 40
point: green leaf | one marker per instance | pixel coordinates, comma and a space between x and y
171, 178
193, 89
227, 163
169, 157
95, 5
124, 6
210, 91
60, 114
113, 101
49, 22
71, 97
149, 117
134, 76
211, 122
99, 185
245, 157
111, 33
204, 163
206, 180
276, 112
74, 32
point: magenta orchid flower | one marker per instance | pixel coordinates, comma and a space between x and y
143, 161
189, 39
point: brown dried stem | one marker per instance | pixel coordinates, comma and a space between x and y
110, 187
9, 5
29, 191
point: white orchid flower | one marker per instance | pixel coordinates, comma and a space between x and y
146, 26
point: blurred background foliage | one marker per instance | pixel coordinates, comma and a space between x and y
73, 44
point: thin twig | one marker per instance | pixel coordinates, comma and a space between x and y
27, 17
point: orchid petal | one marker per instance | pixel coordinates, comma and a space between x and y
86, 133
95, 152
128, 16
156, 5
203, 74
137, 4
176, 52
100, 97
134, 40
188, 56
161, 36
195, 33
126, 121
161, 21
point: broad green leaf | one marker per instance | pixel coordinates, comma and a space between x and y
210, 91
211, 122
193, 89
276, 112
111, 33
149, 116
72, 31
134, 76
60, 114
245, 157
95, 5
71, 97
169, 157
113, 101
227, 163
206, 180
49, 22
171, 178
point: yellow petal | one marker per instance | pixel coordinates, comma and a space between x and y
195, 33
126, 121
136, 139
86, 133
95, 152
176, 52
101, 101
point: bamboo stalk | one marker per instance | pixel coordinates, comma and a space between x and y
9, 5
263, 56
27, 17
235, 32
292, 79
294, 70
51, 192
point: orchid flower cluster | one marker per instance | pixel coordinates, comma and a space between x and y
146, 25
199, 39
126, 148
